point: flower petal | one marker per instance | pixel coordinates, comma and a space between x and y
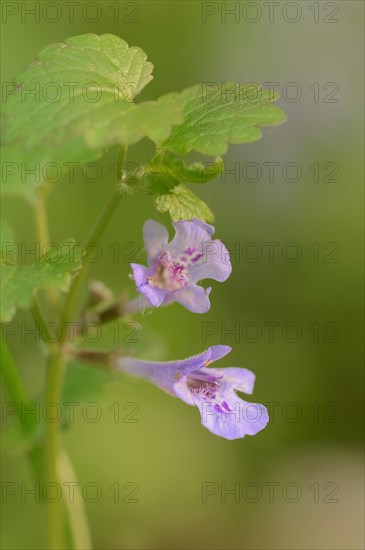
155, 295
216, 352
233, 418
189, 235
155, 236
140, 274
183, 392
194, 297
185, 366
165, 374
237, 378
214, 263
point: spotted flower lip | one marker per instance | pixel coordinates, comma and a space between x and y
212, 390
175, 267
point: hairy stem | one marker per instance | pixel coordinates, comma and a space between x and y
53, 390
10, 375
56, 460
41, 223
93, 237
75, 507
19, 397
41, 220
55, 368
40, 319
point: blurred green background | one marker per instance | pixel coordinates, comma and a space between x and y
167, 453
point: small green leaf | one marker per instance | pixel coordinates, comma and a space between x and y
53, 269
78, 95
162, 178
182, 204
229, 113
165, 172
159, 183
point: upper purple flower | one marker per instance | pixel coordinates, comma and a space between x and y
174, 268
211, 390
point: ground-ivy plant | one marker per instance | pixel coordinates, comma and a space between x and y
86, 104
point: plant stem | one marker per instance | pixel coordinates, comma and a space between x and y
17, 392
39, 318
53, 388
94, 235
18, 395
10, 374
75, 507
41, 223
56, 367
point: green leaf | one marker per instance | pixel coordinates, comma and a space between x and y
78, 95
162, 178
182, 204
53, 269
153, 119
213, 118
163, 173
158, 183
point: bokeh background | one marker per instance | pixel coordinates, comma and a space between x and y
313, 384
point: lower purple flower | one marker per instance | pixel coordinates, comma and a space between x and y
211, 390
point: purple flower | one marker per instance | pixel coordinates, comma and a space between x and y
175, 268
211, 390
